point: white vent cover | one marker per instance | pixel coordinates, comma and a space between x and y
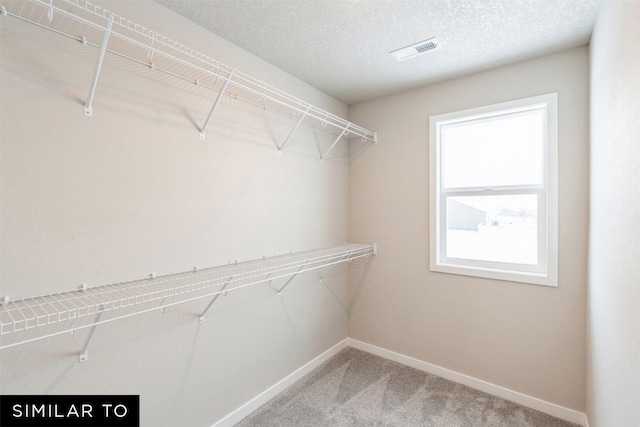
415, 49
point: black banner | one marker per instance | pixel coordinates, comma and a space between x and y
69, 411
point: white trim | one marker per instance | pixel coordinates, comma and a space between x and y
253, 404
496, 390
546, 272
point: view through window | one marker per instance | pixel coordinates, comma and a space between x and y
493, 191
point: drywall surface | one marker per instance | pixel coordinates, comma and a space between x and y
133, 191
613, 373
527, 338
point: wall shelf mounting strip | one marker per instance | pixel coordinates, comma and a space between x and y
92, 25
35, 318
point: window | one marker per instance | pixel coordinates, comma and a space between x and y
494, 191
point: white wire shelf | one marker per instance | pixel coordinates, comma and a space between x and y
107, 303
92, 25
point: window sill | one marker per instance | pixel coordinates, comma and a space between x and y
497, 274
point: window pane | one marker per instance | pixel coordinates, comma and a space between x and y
493, 228
502, 150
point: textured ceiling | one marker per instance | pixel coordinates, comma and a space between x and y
342, 46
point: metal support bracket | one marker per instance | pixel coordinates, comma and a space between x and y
215, 298
215, 104
162, 307
84, 354
73, 331
345, 131
290, 279
50, 11
88, 108
281, 147
331, 267
322, 276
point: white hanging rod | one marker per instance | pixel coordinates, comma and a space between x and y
142, 296
153, 42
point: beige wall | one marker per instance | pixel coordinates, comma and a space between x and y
613, 374
133, 190
527, 338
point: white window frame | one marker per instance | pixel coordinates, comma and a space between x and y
546, 272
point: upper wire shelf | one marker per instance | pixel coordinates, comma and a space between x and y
93, 25
126, 299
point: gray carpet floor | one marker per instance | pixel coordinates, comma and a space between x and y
355, 388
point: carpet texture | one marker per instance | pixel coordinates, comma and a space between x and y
355, 388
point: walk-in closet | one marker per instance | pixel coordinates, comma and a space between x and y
288, 213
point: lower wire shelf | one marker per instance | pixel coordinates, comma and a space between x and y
30, 319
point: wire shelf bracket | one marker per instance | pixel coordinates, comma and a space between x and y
215, 297
32, 319
284, 143
215, 105
92, 25
84, 354
290, 279
345, 132
88, 108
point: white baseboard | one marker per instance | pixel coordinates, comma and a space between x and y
496, 390
277, 388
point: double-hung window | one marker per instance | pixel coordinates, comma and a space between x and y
493, 191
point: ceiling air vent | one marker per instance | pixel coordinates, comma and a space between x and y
415, 49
